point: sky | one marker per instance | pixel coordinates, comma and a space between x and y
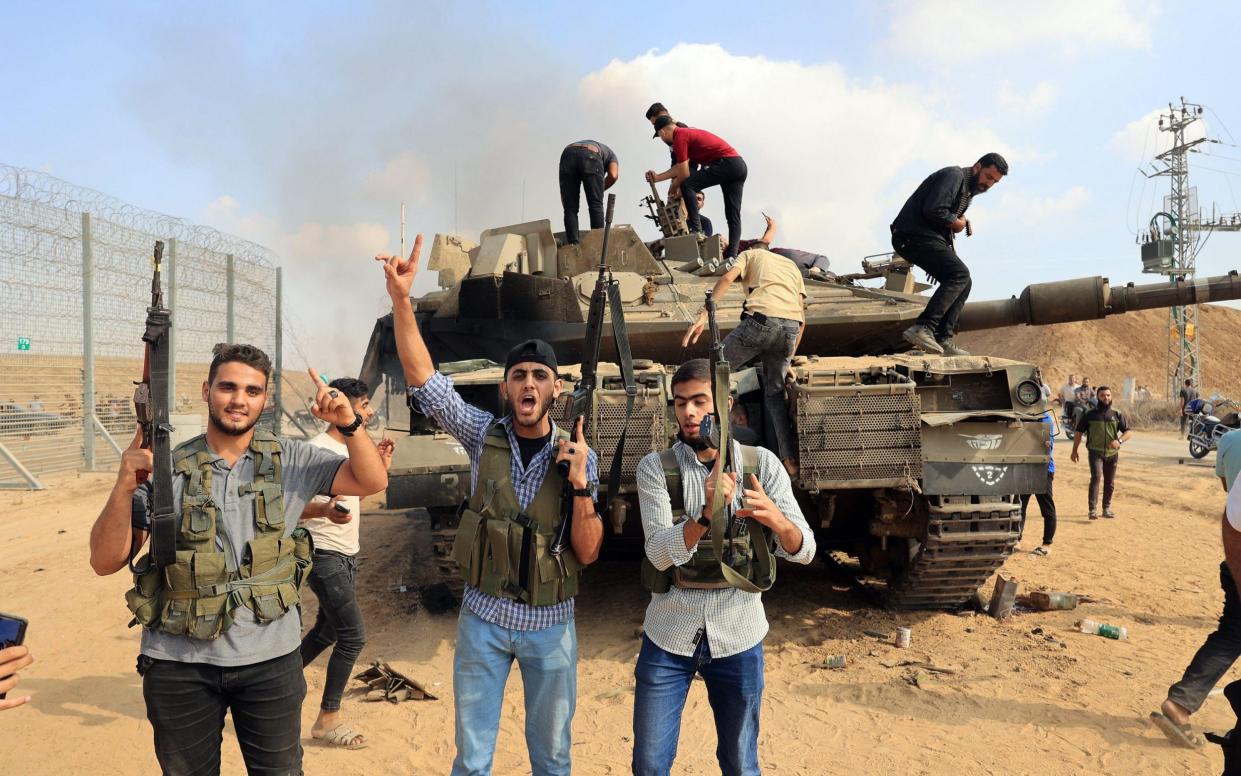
303, 126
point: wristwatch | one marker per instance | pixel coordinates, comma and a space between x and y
352, 427
703, 520
583, 493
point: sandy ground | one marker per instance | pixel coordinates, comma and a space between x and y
1048, 702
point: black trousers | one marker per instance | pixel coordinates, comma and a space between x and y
333, 578
1046, 507
1102, 470
939, 260
1217, 653
729, 174
580, 168
186, 704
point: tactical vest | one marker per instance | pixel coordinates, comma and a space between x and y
503, 551
749, 548
197, 595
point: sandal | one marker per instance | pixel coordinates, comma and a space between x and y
342, 736
1182, 735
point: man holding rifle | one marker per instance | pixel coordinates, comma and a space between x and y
518, 601
220, 628
701, 619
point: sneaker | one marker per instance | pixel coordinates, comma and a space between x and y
1093, 514
923, 339
1108, 513
1041, 552
950, 348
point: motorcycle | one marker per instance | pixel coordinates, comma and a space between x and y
1071, 414
1205, 429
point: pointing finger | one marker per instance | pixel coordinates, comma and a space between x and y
316, 378
417, 250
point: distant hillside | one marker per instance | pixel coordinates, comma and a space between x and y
1131, 345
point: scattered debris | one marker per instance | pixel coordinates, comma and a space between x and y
922, 664
615, 692
834, 662
1048, 601
1103, 629
1003, 597
877, 634
388, 684
903, 637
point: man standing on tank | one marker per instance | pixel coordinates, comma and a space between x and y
589, 165
923, 234
721, 166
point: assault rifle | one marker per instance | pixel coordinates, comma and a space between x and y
581, 401
716, 431
151, 409
667, 216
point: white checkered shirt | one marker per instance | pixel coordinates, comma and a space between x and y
468, 425
733, 620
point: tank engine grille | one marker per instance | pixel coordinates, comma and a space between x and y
648, 429
858, 435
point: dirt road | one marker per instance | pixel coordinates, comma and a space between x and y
1032, 697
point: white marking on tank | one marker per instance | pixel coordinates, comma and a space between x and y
983, 441
988, 474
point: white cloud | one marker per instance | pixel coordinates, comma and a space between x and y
1031, 210
406, 177
956, 31
1030, 104
1141, 140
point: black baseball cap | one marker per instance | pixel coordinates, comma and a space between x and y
662, 122
535, 350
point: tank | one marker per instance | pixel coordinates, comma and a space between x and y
910, 466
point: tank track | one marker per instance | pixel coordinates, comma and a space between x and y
445, 564
968, 538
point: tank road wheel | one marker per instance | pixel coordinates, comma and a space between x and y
967, 538
443, 533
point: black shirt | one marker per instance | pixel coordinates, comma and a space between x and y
707, 229
940, 199
528, 448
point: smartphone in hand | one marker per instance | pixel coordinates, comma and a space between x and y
12, 633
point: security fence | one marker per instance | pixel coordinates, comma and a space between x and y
75, 274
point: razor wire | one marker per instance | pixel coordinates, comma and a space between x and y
50, 229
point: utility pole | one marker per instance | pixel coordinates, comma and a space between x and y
1171, 246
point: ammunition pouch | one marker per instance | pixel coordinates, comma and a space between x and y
748, 551
505, 552
198, 594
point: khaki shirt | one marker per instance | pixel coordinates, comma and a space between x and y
773, 284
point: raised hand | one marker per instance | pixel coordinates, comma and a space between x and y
695, 330
400, 274
727, 483
330, 405
135, 459
386, 448
758, 505
575, 452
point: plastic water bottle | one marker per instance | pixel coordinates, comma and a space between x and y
1104, 630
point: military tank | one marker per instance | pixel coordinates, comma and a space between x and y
910, 466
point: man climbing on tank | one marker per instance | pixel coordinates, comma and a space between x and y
524, 611
772, 324
721, 166
923, 234
588, 165
812, 264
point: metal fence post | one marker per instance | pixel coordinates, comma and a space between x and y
279, 350
171, 275
230, 279
88, 346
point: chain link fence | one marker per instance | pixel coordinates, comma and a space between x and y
75, 275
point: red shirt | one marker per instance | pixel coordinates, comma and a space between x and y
699, 146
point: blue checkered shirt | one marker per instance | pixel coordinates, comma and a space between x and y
468, 425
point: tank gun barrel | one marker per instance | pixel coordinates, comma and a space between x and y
1084, 299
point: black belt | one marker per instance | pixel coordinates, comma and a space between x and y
763, 319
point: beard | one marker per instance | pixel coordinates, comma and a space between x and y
218, 424
1105, 404
697, 444
974, 184
547, 405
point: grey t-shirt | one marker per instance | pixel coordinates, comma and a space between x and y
308, 471
605, 153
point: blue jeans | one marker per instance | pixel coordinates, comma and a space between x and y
734, 690
480, 667
772, 342
333, 579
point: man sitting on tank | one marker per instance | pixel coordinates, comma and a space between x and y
523, 612
701, 620
923, 234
